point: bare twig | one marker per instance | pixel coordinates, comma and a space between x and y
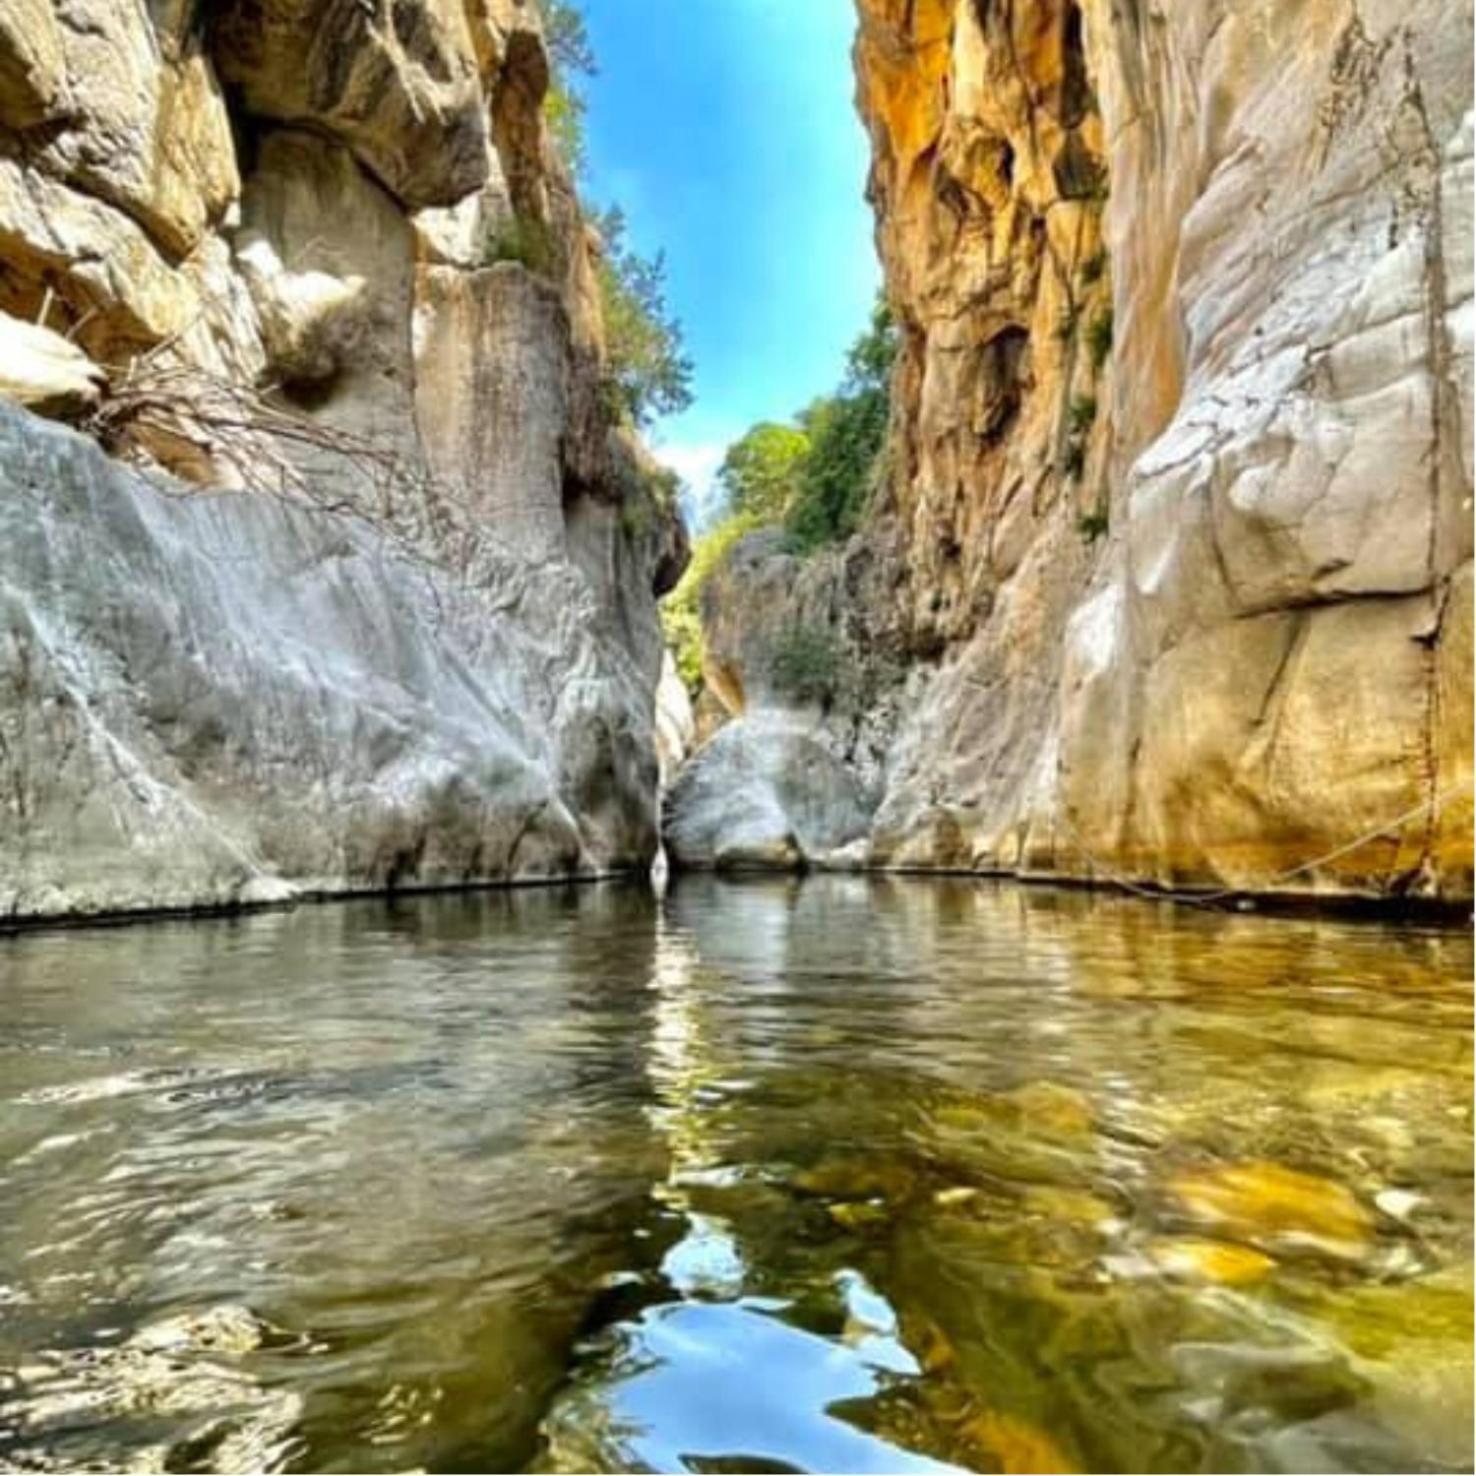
248, 441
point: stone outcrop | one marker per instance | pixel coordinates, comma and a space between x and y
208, 700
41, 370
1177, 524
373, 603
767, 794
676, 723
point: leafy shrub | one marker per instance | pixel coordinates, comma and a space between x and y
681, 611
568, 38
1082, 414
648, 374
1073, 460
572, 56
563, 112
847, 433
805, 663
524, 239
653, 493
1094, 266
763, 470
1093, 525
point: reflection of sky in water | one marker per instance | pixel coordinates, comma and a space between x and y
721, 1376
705, 1262
662, 1182
731, 1380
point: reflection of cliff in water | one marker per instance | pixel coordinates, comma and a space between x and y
835, 1174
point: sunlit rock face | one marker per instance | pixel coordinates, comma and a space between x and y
1266, 655
1178, 509
406, 634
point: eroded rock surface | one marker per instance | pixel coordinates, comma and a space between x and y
1175, 544
375, 604
765, 793
231, 699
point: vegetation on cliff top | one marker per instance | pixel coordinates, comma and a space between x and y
573, 56
681, 611
648, 372
814, 477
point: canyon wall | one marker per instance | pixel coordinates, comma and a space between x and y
1169, 578
341, 577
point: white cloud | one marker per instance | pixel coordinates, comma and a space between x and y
696, 463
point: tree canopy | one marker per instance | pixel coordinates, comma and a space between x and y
846, 432
650, 374
572, 55
813, 476
761, 473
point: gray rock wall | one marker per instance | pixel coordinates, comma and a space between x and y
400, 628
217, 698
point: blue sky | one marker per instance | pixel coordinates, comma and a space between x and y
726, 131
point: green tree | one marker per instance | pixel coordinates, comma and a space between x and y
681, 611
870, 359
568, 39
563, 111
572, 55
649, 374
762, 471
847, 433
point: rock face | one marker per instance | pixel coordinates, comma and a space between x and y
1177, 532
374, 605
676, 724
767, 794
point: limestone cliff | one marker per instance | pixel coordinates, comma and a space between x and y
1171, 575
373, 602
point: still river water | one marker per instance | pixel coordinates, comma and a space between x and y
840, 1175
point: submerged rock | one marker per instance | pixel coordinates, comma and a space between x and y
172, 1393
1013, 1446
1269, 1204
1212, 1261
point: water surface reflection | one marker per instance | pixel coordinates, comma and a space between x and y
840, 1174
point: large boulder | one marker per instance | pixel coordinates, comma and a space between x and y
398, 82
764, 794
33, 68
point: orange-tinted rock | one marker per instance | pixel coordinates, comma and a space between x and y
1212, 1261
1171, 563
1266, 1203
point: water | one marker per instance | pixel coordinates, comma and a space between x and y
833, 1175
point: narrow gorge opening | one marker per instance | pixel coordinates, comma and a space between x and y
982, 483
